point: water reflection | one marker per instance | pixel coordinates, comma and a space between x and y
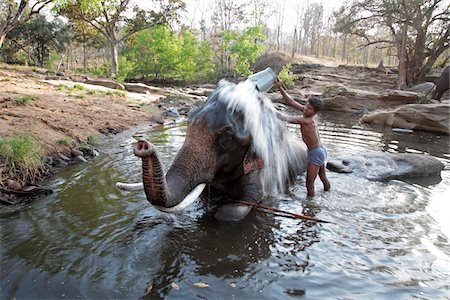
89, 240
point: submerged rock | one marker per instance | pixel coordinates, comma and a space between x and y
386, 166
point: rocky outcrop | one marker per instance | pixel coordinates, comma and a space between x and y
386, 166
423, 88
342, 98
105, 82
141, 88
427, 117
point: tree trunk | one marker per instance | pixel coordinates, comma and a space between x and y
294, 43
344, 48
84, 59
2, 38
401, 81
114, 59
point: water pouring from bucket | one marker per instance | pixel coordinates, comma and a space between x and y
264, 79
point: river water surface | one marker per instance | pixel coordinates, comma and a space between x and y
89, 240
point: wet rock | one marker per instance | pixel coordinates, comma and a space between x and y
63, 157
157, 119
60, 163
184, 110
171, 112
76, 152
79, 159
386, 166
48, 160
13, 185
427, 117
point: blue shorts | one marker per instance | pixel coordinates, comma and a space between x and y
317, 155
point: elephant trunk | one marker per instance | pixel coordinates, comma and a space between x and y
169, 195
155, 185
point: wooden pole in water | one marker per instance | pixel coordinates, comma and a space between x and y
297, 216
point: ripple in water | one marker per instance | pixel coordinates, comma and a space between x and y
89, 240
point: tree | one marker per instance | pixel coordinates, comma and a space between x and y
225, 17
13, 14
158, 51
38, 38
244, 49
418, 29
86, 36
117, 20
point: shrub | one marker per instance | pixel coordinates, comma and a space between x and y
287, 76
23, 156
24, 100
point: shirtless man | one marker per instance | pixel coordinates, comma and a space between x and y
317, 153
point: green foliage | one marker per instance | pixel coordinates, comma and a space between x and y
159, 52
243, 48
24, 100
92, 139
35, 41
287, 76
23, 155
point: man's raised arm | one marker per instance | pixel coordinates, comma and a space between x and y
289, 100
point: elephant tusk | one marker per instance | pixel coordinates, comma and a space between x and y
189, 199
130, 186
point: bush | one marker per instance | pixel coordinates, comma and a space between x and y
24, 100
23, 156
287, 76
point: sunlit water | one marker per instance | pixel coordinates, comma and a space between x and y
89, 240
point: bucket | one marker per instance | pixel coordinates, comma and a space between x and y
264, 79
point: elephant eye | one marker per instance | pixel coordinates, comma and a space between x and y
226, 138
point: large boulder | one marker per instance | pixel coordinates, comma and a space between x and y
105, 82
386, 166
141, 88
427, 117
343, 98
423, 88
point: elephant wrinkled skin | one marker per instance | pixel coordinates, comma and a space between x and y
234, 143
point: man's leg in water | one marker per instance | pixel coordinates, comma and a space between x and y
323, 177
311, 174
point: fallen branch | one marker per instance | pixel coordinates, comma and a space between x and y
273, 209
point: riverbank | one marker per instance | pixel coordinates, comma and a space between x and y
60, 121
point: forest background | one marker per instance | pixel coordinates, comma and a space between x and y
202, 41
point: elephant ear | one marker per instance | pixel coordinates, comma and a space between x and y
252, 162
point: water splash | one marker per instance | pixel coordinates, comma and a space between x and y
284, 155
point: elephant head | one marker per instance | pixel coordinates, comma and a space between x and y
234, 142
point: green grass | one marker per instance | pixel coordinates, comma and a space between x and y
66, 141
24, 100
92, 139
23, 155
78, 87
117, 92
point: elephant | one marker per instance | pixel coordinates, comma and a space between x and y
442, 85
235, 143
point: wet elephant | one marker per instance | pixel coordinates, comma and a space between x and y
442, 85
234, 143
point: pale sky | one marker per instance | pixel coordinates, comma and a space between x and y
196, 7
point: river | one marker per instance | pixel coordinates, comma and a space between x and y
89, 240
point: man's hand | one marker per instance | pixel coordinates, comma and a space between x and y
279, 83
